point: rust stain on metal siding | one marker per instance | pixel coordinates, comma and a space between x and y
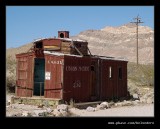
53, 76
113, 87
24, 74
77, 78
23, 92
56, 94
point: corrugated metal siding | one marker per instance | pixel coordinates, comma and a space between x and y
30, 71
75, 79
107, 84
23, 92
124, 80
94, 79
53, 81
121, 82
24, 75
77, 83
113, 87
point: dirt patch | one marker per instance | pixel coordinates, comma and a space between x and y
141, 110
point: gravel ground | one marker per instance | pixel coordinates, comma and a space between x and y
135, 111
138, 110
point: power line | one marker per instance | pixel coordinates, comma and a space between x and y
137, 22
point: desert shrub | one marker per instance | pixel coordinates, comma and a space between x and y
10, 74
141, 75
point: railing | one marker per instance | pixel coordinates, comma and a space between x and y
40, 83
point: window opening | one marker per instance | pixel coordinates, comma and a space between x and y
110, 72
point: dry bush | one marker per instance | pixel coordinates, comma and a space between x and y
141, 75
10, 74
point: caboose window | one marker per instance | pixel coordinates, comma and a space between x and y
110, 72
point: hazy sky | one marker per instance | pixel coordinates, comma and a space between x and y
26, 23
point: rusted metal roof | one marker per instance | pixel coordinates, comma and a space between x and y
101, 57
111, 58
60, 54
62, 39
69, 39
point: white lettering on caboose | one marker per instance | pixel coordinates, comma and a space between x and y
77, 68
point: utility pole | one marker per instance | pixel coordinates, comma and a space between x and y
138, 21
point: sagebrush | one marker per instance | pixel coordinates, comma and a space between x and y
142, 74
10, 74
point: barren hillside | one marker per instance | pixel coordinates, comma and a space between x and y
121, 42
13, 51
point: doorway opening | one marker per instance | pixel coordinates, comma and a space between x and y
39, 75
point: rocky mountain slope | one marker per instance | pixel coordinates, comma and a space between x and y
113, 41
121, 42
12, 51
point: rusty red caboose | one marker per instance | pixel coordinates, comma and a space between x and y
63, 68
